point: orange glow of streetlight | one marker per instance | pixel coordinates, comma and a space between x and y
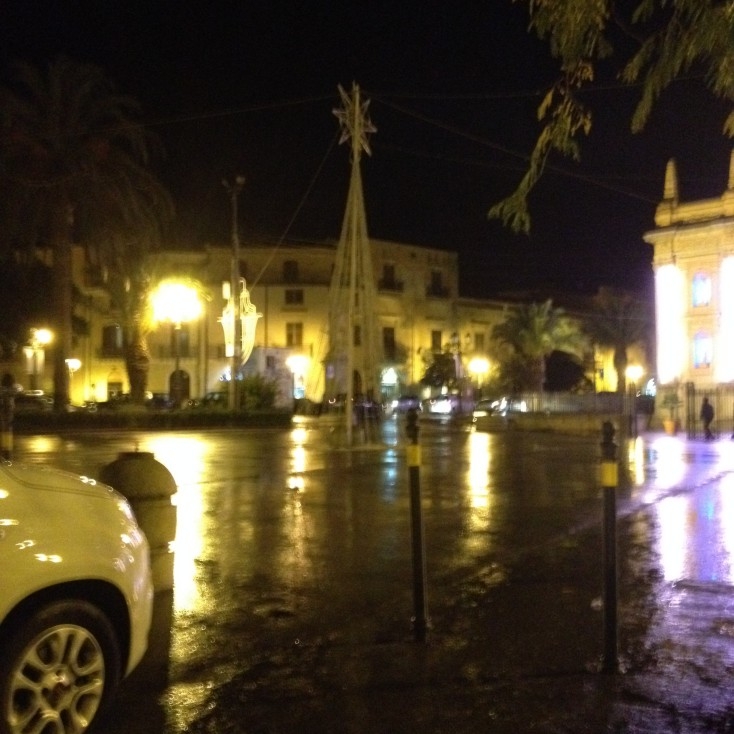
176, 302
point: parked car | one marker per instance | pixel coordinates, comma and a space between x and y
32, 401
492, 413
160, 401
446, 405
76, 597
216, 399
114, 402
404, 403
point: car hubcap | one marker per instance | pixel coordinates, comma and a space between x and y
58, 683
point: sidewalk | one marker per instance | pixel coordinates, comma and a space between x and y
509, 658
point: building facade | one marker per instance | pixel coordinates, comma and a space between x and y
418, 308
419, 312
694, 286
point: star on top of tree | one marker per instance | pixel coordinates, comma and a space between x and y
353, 119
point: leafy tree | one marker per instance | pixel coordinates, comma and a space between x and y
565, 372
130, 280
671, 38
441, 371
258, 393
73, 168
514, 375
619, 321
533, 331
20, 314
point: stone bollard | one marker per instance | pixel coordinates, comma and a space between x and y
149, 487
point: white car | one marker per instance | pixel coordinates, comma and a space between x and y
76, 598
490, 413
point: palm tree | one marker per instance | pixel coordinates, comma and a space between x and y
73, 169
533, 332
619, 321
130, 279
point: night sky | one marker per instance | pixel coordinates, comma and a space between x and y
249, 87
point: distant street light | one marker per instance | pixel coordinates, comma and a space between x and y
298, 365
177, 303
35, 354
73, 365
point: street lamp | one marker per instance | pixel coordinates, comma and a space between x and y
239, 316
35, 354
177, 303
479, 368
633, 373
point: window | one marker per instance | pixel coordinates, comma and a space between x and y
290, 271
294, 297
181, 341
270, 362
294, 334
701, 290
112, 340
388, 343
702, 347
435, 341
478, 341
357, 335
388, 281
436, 287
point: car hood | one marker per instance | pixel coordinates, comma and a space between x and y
48, 478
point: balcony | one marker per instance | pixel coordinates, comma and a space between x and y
390, 285
437, 291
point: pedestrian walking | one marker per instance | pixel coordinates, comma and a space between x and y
707, 416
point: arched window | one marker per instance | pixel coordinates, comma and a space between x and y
112, 340
701, 290
702, 347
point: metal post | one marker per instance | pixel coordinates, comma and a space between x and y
420, 621
177, 387
34, 369
635, 428
234, 285
609, 481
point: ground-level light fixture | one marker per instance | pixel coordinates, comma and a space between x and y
298, 365
35, 354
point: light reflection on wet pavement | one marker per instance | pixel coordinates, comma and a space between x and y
292, 601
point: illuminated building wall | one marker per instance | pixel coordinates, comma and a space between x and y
418, 302
694, 285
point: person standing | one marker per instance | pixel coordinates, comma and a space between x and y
707, 416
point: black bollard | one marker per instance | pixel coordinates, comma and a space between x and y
420, 621
609, 481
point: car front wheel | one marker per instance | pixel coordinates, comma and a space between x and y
57, 669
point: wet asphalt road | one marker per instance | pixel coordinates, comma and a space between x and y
293, 592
